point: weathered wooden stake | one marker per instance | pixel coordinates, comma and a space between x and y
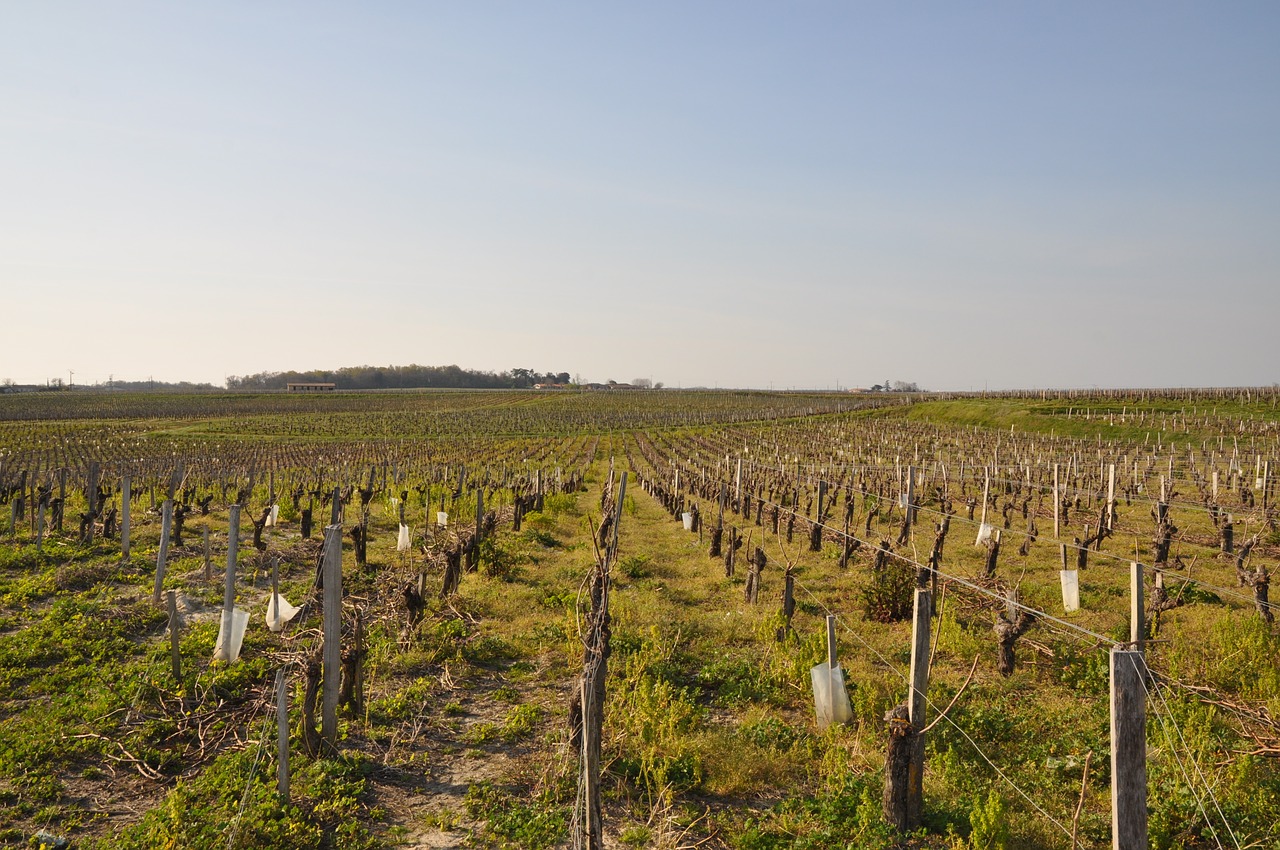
126, 500
788, 603
1057, 505
1128, 750
737, 484
904, 759
34, 494
920, 655
1137, 628
986, 492
166, 522
590, 772
911, 500
332, 633
916, 704
95, 471
62, 498
617, 518
208, 561
39, 515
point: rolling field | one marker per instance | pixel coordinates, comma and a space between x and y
459, 723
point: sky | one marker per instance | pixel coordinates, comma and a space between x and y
734, 194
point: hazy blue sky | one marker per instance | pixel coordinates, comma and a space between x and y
736, 194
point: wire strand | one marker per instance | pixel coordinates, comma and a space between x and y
957, 579
1159, 691
934, 706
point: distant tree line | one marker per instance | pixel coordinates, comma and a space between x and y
400, 377
153, 385
897, 387
8, 385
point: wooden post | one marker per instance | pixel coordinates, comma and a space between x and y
1057, 507
590, 770
126, 499
176, 477
336, 514
920, 655
95, 472
39, 517
479, 528
332, 633
612, 554
916, 702
208, 562
62, 497
175, 652
737, 484
166, 521
904, 759
986, 491
788, 603
1137, 629
1128, 751
911, 500
282, 735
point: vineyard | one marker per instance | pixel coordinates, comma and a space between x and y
595, 619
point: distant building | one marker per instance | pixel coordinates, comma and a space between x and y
308, 387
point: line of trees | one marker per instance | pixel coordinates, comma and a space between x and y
412, 376
897, 387
8, 385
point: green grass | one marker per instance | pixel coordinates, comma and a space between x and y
1090, 419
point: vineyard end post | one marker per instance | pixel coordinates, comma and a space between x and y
1128, 750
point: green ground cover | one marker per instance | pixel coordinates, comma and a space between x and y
710, 740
